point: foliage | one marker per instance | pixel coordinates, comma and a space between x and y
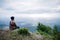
46, 30
21, 34
13, 35
42, 33
43, 28
23, 31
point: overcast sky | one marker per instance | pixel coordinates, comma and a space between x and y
45, 11
30, 8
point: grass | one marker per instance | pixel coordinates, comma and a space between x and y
15, 35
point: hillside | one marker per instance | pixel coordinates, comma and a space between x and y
13, 35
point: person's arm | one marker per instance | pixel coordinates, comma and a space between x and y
16, 26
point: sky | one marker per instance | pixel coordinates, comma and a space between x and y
46, 9
29, 6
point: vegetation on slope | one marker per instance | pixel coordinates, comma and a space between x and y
20, 35
43, 33
48, 31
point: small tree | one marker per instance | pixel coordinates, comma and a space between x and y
43, 28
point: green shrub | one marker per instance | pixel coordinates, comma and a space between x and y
42, 33
43, 28
23, 31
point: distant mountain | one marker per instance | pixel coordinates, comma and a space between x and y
58, 26
3, 23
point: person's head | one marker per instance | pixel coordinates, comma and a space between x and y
12, 18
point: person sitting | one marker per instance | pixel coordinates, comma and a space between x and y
13, 24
